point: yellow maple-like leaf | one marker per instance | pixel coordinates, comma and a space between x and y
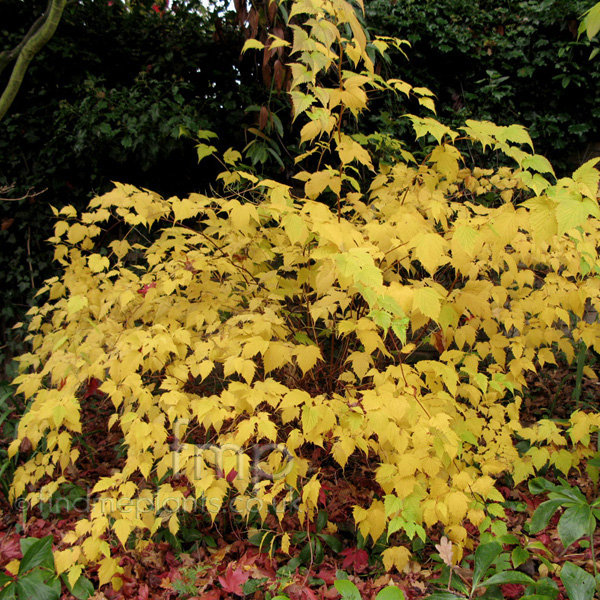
349, 151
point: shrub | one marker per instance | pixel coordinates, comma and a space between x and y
264, 316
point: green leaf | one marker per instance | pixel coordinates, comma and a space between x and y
332, 542
443, 596
391, 592
507, 577
321, 520
381, 318
543, 514
519, 556
485, 555
540, 485
347, 590
82, 589
576, 522
36, 554
9, 592
38, 585
544, 587
579, 584
591, 22
538, 163
319, 554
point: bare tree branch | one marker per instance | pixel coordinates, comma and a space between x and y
7, 56
37, 37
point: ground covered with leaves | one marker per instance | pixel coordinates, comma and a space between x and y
221, 560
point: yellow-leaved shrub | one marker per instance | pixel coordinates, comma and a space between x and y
264, 316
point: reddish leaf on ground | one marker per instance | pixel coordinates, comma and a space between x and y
10, 548
300, 592
355, 558
232, 581
511, 591
143, 592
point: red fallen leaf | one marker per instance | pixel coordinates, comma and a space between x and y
233, 581
231, 475
512, 590
355, 558
214, 594
10, 548
300, 592
327, 575
143, 592
544, 538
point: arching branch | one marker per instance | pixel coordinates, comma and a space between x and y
36, 38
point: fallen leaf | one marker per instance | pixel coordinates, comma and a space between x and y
445, 550
233, 581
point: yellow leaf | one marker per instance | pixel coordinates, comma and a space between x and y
76, 233
342, 450
231, 156
252, 44
427, 300
310, 493
430, 250
319, 181
396, 556
13, 566
122, 529
109, 567
466, 237
65, 559
74, 574
307, 357
349, 150
295, 228
98, 263
75, 304
285, 543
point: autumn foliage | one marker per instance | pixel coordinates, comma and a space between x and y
297, 318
